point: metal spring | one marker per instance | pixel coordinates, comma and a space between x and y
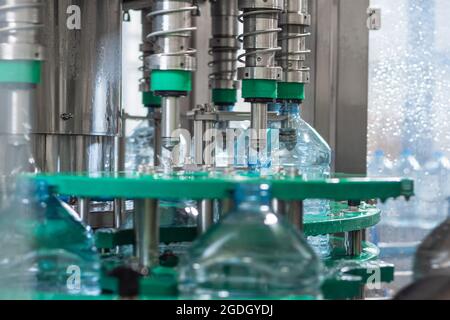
296, 36
242, 36
26, 26
185, 31
225, 73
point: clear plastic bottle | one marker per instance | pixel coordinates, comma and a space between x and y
430, 191
379, 165
139, 146
46, 248
302, 146
251, 253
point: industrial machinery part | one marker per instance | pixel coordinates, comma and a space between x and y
21, 54
77, 120
172, 62
224, 48
292, 40
260, 74
149, 99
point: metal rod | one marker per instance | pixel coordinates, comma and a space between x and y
206, 216
353, 243
157, 139
119, 210
147, 233
291, 210
84, 209
259, 122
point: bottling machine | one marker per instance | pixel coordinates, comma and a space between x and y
63, 84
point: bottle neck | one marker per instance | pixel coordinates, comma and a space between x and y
290, 109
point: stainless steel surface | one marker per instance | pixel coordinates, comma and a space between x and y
170, 122
157, 115
146, 49
206, 216
260, 37
146, 226
21, 22
20, 35
223, 44
170, 36
259, 121
67, 153
353, 243
84, 210
80, 92
337, 99
292, 39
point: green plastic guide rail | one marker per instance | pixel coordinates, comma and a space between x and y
204, 185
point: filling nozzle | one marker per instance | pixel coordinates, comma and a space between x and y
170, 122
259, 121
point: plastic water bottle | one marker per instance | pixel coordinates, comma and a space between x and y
379, 165
251, 253
139, 146
46, 248
303, 147
431, 191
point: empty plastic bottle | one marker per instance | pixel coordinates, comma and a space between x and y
46, 248
301, 146
430, 191
379, 165
139, 147
251, 253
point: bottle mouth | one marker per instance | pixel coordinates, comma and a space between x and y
253, 192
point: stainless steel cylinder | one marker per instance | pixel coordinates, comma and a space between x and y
20, 42
146, 226
258, 132
171, 35
260, 39
170, 109
81, 88
80, 95
294, 21
206, 216
146, 49
353, 243
20, 30
224, 45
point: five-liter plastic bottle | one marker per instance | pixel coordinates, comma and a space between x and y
431, 191
45, 246
302, 146
251, 253
433, 254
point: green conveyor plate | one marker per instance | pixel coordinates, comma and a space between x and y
341, 220
214, 186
